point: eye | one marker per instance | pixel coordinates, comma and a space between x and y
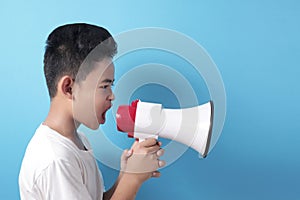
106, 86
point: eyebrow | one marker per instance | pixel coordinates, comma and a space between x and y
108, 81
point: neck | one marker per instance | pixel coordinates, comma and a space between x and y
60, 119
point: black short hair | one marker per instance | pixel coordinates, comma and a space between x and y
69, 45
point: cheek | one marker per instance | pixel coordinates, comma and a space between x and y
83, 106
99, 102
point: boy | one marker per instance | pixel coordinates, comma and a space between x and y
59, 163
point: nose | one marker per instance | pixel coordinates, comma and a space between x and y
111, 97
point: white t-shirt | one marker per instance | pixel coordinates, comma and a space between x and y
54, 168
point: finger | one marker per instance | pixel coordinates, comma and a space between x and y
149, 142
125, 152
156, 174
160, 152
129, 153
161, 163
134, 144
152, 149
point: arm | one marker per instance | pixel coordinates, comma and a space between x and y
137, 165
125, 188
61, 179
108, 194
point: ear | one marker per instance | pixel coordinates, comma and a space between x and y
66, 85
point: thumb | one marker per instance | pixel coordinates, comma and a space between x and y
126, 154
135, 144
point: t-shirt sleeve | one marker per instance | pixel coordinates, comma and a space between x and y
62, 180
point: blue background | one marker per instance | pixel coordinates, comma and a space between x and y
255, 45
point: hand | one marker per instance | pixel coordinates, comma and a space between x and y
142, 160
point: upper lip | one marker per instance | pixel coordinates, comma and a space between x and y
108, 107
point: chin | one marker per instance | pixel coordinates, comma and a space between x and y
93, 126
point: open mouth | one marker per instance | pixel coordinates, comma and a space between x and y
104, 114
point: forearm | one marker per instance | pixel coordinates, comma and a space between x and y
136, 168
108, 194
125, 188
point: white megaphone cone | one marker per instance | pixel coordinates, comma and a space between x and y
190, 126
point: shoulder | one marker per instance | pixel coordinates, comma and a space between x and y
46, 148
59, 178
47, 151
49, 145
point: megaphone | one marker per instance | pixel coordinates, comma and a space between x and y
190, 126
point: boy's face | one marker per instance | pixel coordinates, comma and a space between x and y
92, 97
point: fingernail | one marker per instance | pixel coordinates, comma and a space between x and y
161, 163
129, 152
